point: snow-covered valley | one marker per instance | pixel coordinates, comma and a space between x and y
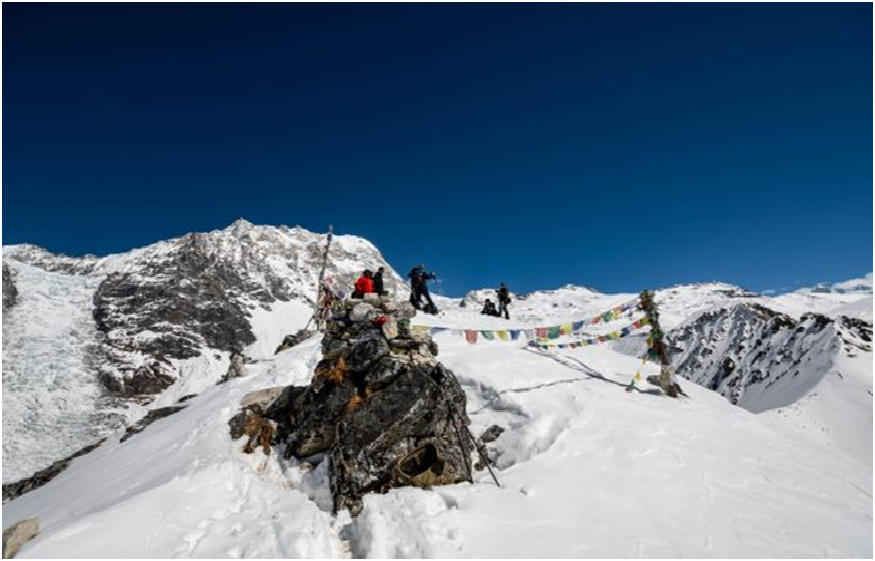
587, 469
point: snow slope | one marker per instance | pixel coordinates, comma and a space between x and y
587, 470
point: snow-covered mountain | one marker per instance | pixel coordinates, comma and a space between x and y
765, 360
781, 354
103, 336
783, 420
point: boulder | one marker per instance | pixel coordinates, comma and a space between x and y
363, 311
17, 535
293, 340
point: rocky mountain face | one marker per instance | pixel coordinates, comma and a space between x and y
812, 371
174, 299
147, 313
754, 356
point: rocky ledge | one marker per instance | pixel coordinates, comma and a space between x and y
380, 408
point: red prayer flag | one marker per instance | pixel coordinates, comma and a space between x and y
471, 335
541, 332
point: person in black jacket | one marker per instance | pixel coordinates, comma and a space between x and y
503, 301
378, 281
489, 308
419, 278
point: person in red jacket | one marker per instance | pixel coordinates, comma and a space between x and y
364, 285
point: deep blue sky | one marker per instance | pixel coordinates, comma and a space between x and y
615, 146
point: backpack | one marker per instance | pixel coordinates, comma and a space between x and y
415, 276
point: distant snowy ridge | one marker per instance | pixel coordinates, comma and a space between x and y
860, 286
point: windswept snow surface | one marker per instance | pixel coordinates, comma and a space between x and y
587, 470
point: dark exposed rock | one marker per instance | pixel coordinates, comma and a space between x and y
743, 349
43, 476
491, 434
152, 416
294, 340
380, 405
10, 292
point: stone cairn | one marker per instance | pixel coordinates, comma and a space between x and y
380, 407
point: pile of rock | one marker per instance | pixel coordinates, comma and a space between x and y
380, 407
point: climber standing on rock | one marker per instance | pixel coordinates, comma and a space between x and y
419, 278
378, 281
503, 301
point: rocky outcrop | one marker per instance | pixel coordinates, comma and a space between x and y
17, 535
174, 300
380, 406
152, 416
43, 476
754, 356
294, 340
10, 292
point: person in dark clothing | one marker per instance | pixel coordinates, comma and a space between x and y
503, 301
419, 278
378, 281
489, 308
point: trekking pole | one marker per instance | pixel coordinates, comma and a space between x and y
483, 457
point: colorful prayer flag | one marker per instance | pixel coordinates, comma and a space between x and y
553, 332
488, 335
542, 332
471, 335
565, 329
529, 333
502, 334
514, 334
577, 325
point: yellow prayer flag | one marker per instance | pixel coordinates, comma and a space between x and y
566, 328
502, 334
